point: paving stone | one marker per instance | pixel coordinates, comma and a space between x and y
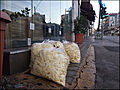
69, 80
88, 76
88, 69
90, 59
91, 66
80, 84
73, 68
83, 84
71, 73
74, 82
74, 65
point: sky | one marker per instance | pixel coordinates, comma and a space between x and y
53, 9
56, 11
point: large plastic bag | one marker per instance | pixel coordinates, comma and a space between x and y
72, 51
36, 47
56, 44
52, 64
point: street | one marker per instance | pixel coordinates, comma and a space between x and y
69, 44
107, 62
112, 38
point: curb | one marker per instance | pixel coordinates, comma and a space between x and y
87, 71
85, 77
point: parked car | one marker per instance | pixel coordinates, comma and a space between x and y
98, 35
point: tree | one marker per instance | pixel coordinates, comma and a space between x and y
23, 13
81, 25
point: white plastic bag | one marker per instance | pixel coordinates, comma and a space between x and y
36, 47
52, 64
72, 51
56, 44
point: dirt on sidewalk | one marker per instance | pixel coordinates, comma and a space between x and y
80, 77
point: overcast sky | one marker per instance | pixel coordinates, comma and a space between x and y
58, 8
44, 8
53, 9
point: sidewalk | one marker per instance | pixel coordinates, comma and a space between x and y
78, 75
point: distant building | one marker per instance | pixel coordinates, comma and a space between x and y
52, 31
111, 23
106, 23
118, 21
38, 17
112, 20
66, 24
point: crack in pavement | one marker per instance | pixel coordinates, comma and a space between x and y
84, 71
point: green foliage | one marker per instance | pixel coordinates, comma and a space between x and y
81, 25
23, 13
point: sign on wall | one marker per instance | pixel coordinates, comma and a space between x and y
32, 26
59, 32
49, 30
29, 41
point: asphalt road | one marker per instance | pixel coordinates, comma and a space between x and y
107, 64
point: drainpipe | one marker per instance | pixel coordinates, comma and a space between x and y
4, 19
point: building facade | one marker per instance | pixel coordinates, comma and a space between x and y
52, 31
112, 20
66, 24
111, 23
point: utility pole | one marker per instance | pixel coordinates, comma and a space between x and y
73, 12
102, 29
78, 8
99, 19
32, 19
100, 5
31, 7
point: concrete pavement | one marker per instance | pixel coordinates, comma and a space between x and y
107, 62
